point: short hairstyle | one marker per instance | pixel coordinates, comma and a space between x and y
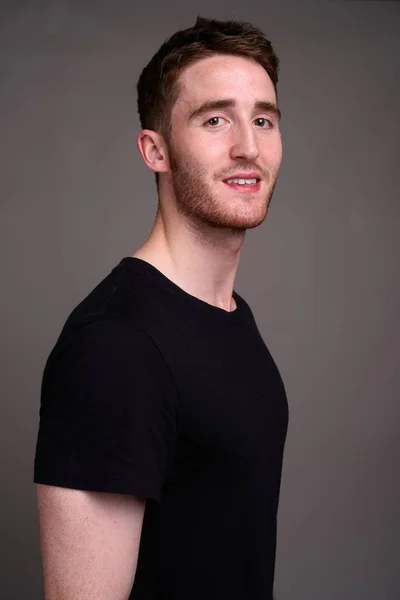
158, 87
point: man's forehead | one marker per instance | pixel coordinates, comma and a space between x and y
222, 76
211, 78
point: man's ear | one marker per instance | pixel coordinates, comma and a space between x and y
153, 149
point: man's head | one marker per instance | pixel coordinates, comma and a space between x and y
207, 102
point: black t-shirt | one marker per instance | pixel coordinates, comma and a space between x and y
153, 392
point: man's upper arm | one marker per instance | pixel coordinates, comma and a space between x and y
89, 543
106, 437
108, 413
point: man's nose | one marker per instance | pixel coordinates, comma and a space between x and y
244, 144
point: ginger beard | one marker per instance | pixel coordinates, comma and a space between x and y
195, 199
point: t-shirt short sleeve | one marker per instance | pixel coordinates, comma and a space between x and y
108, 414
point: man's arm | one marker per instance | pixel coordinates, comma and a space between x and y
89, 543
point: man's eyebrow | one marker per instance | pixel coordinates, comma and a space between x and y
269, 107
262, 105
211, 105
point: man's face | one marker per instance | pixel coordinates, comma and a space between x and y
224, 130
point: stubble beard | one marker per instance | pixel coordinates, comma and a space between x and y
195, 200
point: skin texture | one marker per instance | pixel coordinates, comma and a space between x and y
89, 543
201, 223
209, 147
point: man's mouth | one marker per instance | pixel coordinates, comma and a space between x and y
244, 184
252, 181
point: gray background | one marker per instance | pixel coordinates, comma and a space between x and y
321, 274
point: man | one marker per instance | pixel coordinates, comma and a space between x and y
163, 416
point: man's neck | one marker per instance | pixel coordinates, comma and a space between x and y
203, 264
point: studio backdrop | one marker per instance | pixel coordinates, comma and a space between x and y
321, 274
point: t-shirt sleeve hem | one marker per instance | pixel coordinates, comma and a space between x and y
135, 485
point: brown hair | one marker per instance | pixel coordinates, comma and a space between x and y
157, 86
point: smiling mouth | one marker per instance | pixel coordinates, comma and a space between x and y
242, 182
249, 185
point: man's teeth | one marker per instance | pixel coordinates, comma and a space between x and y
243, 181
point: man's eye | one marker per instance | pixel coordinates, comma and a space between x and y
213, 121
263, 122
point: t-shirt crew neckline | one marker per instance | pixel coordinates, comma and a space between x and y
157, 276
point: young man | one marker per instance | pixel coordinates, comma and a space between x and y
163, 416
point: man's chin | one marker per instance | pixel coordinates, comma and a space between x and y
237, 222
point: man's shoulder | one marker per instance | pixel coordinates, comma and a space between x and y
115, 313
118, 298
101, 346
